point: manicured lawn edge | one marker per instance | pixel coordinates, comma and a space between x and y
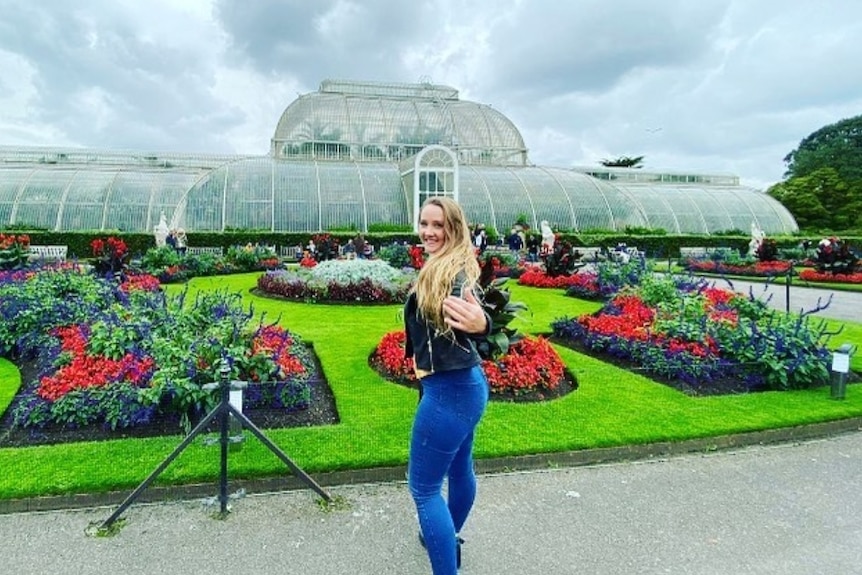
613, 409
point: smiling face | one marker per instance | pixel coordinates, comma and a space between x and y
432, 228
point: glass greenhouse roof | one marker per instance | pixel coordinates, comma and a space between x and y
350, 156
299, 196
368, 121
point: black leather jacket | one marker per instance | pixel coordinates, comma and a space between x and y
434, 352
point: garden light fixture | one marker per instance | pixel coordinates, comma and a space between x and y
840, 369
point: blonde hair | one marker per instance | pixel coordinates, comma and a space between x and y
437, 276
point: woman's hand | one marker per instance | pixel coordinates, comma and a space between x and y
465, 313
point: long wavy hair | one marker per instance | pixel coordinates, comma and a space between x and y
437, 276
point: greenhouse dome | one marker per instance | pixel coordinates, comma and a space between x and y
356, 154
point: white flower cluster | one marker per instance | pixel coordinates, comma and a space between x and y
345, 272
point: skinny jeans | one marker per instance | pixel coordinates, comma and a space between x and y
441, 447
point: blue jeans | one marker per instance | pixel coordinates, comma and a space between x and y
441, 446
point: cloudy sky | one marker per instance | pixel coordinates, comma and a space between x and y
719, 86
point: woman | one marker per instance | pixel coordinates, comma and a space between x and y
442, 316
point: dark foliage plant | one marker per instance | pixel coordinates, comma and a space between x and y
767, 250
562, 260
14, 251
835, 256
496, 301
396, 255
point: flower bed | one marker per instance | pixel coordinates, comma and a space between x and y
596, 281
758, 269
169, 266
14, 251
703, 337
535, 276
810, 275
122, 354
340, 281
531, 370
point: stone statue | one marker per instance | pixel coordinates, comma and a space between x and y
161, 231
547, 237
757, 236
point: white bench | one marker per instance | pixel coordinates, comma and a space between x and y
48, 253
700, 253
693, 253
626, 255
588, 254
200, 250
291, 252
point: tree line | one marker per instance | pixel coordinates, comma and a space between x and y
823, 182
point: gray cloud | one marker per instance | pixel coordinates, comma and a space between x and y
713, 85
323, 39
547, 48
105, 77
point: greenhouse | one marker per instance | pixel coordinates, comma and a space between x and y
358, 154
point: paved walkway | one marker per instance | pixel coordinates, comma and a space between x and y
843, 305
788, 509
777, 510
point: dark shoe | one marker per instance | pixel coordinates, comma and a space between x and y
458, 542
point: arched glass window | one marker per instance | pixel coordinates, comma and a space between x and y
435, 173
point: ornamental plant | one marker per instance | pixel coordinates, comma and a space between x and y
561, 260
111, 254
345, 281
767, 250
810, 275
594, 281
170, 267
121, 353
702, 335
756, 269
504, 264
14, 251
496, 301
251, 258
531, 366
835, 256
396, 255
535, 276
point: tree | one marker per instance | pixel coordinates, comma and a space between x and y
821, 200
624, 162
802, 203
823, 189
837, 146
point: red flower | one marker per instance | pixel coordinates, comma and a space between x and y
276, 341
815, 276
85, 370
531, 364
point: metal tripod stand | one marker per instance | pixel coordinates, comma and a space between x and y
222, 411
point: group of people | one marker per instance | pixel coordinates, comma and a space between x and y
173, 238
360, 248
177, 240
523, 243
479, 237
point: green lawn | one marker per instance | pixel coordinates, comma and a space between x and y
612, 407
